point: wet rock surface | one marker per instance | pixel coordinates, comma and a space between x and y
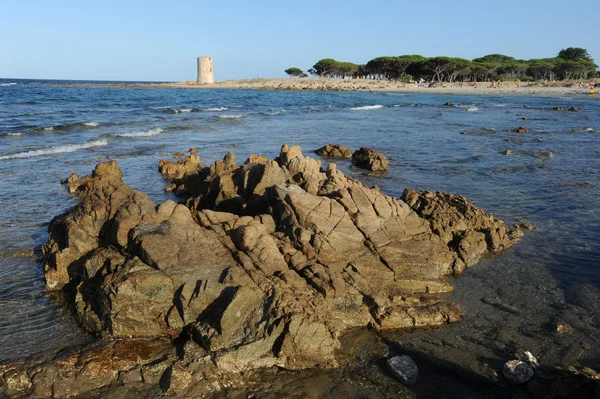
266, 264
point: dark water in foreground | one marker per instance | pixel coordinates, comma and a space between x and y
550, 181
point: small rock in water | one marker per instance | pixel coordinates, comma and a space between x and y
517, 372
449, 104
463, 132
562, 327
586, 346
404, 368
572, 109
507, 152
558, 108
526, 106
529, 358
526, 226
520, 129
525, 118
367, 158
334, 151
193, 151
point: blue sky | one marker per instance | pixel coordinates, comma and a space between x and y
160, 40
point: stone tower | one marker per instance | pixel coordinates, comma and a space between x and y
205, 70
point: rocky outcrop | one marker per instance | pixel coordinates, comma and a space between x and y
367, 158
334, 151
266, 264
180, 169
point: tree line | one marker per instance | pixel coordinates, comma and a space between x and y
570, 63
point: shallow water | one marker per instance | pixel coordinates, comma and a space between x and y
550, 181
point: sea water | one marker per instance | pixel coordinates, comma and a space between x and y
48, 131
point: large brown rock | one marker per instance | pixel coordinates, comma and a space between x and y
367, 158
266, 264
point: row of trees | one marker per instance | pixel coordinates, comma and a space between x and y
570, 63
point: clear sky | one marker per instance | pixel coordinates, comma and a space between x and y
160, 40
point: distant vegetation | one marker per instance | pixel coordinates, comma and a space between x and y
296, 72
570, 63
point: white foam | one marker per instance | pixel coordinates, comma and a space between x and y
231, 116
216, 109
48, 129
92, 124
152, 132
367, 107
472, 109
273, 113
589, 129
8, 84
166, 106
59, 149
11, 134
183, 110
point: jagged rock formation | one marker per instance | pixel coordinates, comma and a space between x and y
267, 263
367, 158
334, 151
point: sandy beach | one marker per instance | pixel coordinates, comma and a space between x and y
511, 88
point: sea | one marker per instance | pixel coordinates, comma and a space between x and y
550, 179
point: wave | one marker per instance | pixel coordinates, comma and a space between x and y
366, 107
180, 110
59, 149
8, 84
14, 134
67, 126
148, 133
231, 116
396, 94
186, 110
472, 109
273, 113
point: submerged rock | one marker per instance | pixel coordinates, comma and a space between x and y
266, 264
517, 372
334, 151
367, 158
404, 368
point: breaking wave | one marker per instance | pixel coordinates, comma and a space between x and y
148, 133
231, 116
14, 134
472, 109
366, 107
59, 149
8, 84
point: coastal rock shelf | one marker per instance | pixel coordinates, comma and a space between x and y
265, 264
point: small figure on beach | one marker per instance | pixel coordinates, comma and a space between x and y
475, 83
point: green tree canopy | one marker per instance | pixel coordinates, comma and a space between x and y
294, 71
574, 54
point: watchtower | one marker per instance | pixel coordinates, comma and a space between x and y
205, 70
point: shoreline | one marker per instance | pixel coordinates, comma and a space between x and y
314, 84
